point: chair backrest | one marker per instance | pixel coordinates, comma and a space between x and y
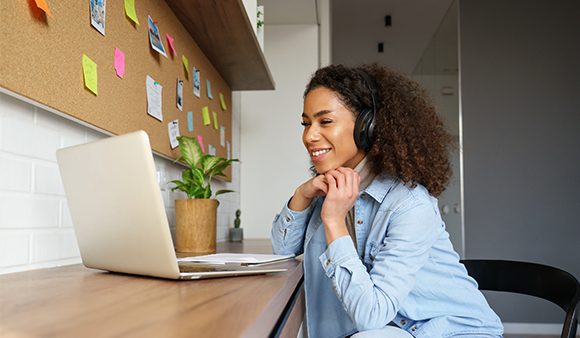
543, 281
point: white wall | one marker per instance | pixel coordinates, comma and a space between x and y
35, 226
274, 161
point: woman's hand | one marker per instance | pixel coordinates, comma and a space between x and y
306, 192
343, 187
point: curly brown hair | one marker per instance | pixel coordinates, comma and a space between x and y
409, 141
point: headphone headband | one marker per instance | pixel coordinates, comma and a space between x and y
365, 120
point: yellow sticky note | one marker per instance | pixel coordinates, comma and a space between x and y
215, 122
90, 74
185, 65
44, 6
205, 114
223, 102
130, 10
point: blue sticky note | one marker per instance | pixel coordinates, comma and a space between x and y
189, 121
208, 85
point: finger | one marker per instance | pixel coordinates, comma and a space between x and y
332, 188
340, 179
321, 185
349, 179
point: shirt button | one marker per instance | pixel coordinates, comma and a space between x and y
287, 219
413, 329
360, 221
403, 322
327, 263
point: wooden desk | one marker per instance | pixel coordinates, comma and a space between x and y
74, 301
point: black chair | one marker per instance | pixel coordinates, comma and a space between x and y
543, 281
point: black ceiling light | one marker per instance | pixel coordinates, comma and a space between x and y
388, 21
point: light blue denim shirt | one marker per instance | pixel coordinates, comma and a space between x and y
403, 271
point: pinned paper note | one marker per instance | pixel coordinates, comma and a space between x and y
130, 11
200, 141
211, 150
119, 63
208, 85
154, 90
179, 99
44, 6
205, 115
196, 82
170, 40
90, 74
222, 136
190, 121
223, 102
215, 121
98, 14
173, 129
185, 65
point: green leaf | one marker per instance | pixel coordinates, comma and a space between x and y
190, 150
222, 191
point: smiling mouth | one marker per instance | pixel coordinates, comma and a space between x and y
319, 153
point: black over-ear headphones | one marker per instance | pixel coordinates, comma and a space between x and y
365, 121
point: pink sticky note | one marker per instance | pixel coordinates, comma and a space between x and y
200, 140
119, 63
170, 40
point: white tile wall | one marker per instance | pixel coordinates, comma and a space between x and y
36, 230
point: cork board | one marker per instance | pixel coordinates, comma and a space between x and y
42, 61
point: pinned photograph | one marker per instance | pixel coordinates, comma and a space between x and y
196, 82
173, 130
155, 38
98, 11
180, 94
208, 88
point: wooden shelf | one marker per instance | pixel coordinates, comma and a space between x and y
223, 31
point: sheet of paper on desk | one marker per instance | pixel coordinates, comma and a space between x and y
236, 258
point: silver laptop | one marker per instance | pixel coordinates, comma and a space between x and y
118, 213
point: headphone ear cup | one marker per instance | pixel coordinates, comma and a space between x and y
363, 129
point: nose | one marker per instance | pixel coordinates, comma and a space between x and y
311, 134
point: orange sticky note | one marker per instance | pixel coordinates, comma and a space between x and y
200, 141
44, 6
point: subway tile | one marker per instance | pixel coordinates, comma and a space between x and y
72, 133
25, 139
15, 108
65, 217
14, 248
54, 245
28, 212
15, 175
47, 180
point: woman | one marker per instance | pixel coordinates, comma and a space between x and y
378, 261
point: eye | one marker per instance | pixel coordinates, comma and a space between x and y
304, 124
325, 121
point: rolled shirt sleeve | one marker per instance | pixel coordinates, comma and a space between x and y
372, 299
288, 230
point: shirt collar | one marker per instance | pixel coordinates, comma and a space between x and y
379, 187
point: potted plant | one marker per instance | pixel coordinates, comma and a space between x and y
195, 217
237, 233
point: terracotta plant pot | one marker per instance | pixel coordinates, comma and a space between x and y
195, 225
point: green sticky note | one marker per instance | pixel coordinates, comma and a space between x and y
130, 10
215, 122
205, 114
223, 102
185, 65
90, 74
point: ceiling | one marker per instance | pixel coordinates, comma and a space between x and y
358, 26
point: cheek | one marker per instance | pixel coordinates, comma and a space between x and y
344, 139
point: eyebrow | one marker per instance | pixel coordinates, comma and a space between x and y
320, 113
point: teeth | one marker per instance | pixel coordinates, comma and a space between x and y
320, 152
